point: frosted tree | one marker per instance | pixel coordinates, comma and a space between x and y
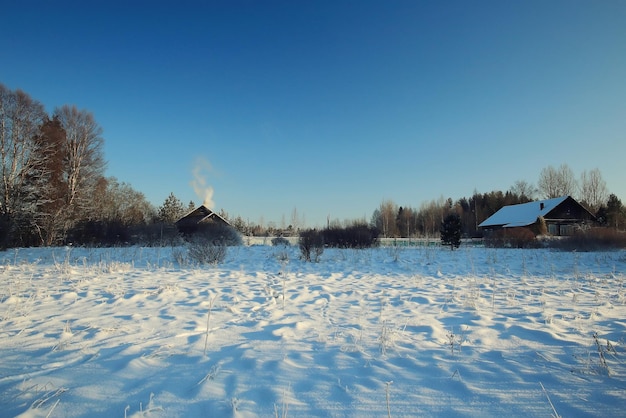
20, 119
49, 180
83, 160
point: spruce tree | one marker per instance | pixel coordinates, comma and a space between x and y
451, 231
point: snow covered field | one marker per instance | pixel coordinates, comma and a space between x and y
383, 332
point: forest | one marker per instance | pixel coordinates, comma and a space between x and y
54, 191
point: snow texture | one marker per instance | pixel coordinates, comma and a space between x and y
399, 332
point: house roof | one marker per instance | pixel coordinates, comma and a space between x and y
199, 214
523, 214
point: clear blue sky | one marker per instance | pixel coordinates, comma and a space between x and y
330, 107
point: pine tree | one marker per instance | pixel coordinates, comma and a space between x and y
171, 210
451, 231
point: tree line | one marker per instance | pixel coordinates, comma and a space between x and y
53, 190
397, 221
590, 190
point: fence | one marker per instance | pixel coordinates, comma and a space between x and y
384, 242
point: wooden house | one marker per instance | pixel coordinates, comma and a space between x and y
561, 215
197, 218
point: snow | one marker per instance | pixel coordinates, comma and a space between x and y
363, 333
522, 214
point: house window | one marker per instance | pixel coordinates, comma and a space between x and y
553, 229
566, 230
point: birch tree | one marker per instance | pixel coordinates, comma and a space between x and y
48, 179
524, 191
593, 191
384, 219
20, 119
556, 182
83, 158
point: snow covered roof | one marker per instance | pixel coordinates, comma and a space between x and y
523, 214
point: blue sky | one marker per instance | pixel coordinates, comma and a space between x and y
329, 107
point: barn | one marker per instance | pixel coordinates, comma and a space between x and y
561, 215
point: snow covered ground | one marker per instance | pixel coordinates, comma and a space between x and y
383, 332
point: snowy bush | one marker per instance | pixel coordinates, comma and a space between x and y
512, 238
280, 241
201, 250
311, 244
592, 239
218, 234
353, 236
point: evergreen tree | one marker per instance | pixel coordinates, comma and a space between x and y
451, 231
615, 212
171, 210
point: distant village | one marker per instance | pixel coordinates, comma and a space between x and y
54, 192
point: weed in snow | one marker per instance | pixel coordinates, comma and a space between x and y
208, 323
284, 407
212, 374
387, 384
603, 352
554, 414
150, 408
386, 338
454, 341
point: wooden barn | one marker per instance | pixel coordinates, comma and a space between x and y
561, 215
197, 218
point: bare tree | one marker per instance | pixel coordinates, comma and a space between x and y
593, 191
48, 167
556, 182
384, 218
84, 162
404, 221
20, 119
119, 202
431, 214
525, 191
48, 179
296, 222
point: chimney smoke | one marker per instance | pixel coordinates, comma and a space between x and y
199, 182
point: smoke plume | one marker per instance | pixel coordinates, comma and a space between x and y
199, 183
